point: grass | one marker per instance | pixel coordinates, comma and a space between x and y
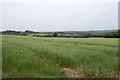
36, 57
0, 56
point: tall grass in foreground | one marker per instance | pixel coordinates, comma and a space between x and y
0, 56
45, 57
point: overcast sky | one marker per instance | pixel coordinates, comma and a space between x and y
58, 15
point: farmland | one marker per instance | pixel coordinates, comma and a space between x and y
0, 56
39, 57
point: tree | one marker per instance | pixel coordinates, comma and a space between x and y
28, 31
89, 35
55, 34
115, 34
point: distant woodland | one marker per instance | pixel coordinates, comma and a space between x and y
69, 34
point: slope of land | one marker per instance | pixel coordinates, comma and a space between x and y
29, 57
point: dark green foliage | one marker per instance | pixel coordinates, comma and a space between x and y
115, 34
12, 32
55, 34
28, 31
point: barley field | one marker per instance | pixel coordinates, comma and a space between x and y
0, 56
39, 57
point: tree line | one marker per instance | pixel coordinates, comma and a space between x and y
115, 34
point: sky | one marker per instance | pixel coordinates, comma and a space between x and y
59, 15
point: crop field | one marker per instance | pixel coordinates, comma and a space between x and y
0, 56
39, 34
39, 57
52, 34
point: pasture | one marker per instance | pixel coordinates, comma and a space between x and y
39, 57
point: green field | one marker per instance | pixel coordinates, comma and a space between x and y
0, 56
39, 57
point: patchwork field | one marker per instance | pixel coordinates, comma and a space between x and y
39, 57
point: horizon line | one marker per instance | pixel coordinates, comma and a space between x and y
59, 30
